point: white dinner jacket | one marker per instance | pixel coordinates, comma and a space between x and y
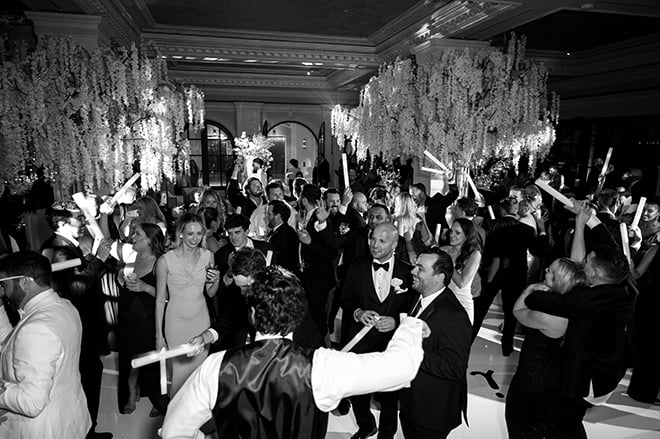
39, 359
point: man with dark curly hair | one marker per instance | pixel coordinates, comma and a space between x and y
273, 388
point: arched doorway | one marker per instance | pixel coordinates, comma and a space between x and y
211, 150
293, 140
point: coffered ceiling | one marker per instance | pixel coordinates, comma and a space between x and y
323, 51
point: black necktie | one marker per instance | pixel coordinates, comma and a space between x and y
416, 308
385, 266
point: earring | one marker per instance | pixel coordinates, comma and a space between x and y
180, 236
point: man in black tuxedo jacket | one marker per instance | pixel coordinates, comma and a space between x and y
592, 356
431, 407
82, 286
282, 236
232, 322
435, 207
376, 291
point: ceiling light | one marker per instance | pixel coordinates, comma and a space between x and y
307, 63
318, 63
191, 57
587, 6
177, 57
309, 73
568, 53
209, 58
251, 60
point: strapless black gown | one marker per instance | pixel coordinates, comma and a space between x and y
533, 389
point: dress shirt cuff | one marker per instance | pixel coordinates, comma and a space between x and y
343, 209
336, 374
593, 222
319, 227
214, 334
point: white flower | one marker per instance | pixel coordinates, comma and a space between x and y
396, 285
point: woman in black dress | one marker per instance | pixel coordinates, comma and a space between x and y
535, 382
136, 318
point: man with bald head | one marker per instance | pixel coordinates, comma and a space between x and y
356, 210
377, 289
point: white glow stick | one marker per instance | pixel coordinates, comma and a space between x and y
607, 162
638, 213
438, 229
131, 181
472, 185
437, 162
163, 354
491, 213
59, 266
554, 193
432, 170
359, 336
92, 225
163, 374
344, 163
269, 257
624, 240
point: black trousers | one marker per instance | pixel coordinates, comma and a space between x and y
91, 374
568, 416
413, 431
388, 407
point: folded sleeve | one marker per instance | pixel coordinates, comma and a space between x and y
37, 354
336, 375
193, 404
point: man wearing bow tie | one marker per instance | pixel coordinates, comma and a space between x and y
377, 289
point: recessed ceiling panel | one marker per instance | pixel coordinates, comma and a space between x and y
349, 18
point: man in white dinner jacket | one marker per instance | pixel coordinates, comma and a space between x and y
40, 391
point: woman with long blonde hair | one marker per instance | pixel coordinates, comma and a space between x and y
182, 276
411, 225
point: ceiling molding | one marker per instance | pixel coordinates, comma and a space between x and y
115, 25
247, 80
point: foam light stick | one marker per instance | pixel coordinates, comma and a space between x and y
624, 241
269, 257
437, 162
59, 266
161, 357
638, 212
344, 163
359, 336
432, 170
554, 193
472, 185
491, 213
438, 229
93, 226
607, 162
131, 181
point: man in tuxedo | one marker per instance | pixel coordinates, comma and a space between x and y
592, 356
231, 308
376, 291
318, 275
254, 193
282, 236
435, 207
356, 210
41, 395
82, 286
431, 407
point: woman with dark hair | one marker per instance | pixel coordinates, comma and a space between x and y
149, 212
136, 320
465, 251
537, 378
183, 274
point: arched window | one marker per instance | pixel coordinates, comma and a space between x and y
211, 149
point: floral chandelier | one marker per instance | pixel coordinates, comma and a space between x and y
90, 118
465, 106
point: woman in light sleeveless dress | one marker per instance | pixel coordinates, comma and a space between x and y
465, 250
182, 275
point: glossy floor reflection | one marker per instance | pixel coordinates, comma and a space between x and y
621, 417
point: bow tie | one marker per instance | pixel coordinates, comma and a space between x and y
385, 266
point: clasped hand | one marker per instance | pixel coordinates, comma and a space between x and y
381, 323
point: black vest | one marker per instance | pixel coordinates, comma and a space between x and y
265, 392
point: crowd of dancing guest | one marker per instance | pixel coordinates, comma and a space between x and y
372, 250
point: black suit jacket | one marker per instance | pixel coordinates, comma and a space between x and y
593, 350
232, 324
436, 208
285, 242
82, 286
510, 243
438, 394
359, 292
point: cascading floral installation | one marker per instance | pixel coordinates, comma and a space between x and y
87, 118
465, 106
257, 146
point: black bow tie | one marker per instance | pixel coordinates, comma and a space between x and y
385, 266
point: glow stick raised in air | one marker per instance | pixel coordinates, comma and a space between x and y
638, 212
131, 181
472, 185
491, 213
59, 266
437, 162
438, 229
344, 163
269, 257
624, 240
607, 162
554, 193
433, 170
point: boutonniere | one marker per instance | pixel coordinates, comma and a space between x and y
396, 286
